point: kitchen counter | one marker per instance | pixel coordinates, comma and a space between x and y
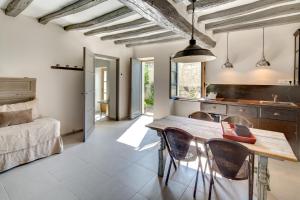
248, 103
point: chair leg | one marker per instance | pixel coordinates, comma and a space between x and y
210, 187
250, 189
197, 175
206, 163
174, 164
251, 185
202, 172
196, 181
167, 178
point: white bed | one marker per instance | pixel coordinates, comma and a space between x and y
23, 143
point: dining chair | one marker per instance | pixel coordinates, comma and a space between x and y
201, 115
179, 146
231, 160
237, 119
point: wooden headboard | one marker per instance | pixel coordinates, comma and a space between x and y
15, 90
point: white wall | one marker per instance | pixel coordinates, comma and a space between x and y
184, 108
28, 49
245, 49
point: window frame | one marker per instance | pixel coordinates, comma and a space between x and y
176, 97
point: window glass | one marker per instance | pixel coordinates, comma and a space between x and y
186, 80
189, 80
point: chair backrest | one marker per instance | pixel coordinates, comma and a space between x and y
238, 120
201, 115
228, 155
178, 141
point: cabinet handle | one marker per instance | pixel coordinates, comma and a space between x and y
214, 107
242, 110
276, 114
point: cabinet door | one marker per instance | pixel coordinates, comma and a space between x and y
249, 112
288, 128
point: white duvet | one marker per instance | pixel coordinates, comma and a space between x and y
24, 143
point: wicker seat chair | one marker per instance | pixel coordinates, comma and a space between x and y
179, 146
201, 115
231, 160
238, 120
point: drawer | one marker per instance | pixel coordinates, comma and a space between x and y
245, 111
278, 114
213, 108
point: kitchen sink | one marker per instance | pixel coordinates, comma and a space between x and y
277, 103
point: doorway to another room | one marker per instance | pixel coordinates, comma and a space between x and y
101, 89
105, 88
148, 86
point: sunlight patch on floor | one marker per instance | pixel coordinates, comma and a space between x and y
135, 134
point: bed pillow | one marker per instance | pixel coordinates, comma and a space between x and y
23, 106
15, 117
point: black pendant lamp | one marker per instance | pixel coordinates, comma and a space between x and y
193, 52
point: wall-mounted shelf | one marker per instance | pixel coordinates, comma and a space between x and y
67, 68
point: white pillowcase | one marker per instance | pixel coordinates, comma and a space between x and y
23, 106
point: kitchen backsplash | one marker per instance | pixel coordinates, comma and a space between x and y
256, 92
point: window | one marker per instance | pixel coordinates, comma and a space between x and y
186, 80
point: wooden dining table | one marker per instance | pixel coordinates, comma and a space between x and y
268, 144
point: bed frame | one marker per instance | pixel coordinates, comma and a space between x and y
16, 90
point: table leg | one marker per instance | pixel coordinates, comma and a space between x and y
161, 156
262, 178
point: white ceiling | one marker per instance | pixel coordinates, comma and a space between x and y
39, 8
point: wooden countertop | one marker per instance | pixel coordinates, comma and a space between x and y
241, 102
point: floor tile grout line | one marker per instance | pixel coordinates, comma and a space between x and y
7, 194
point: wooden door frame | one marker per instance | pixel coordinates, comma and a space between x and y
117, 80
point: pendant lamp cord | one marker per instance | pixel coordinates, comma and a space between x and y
263, 52
227, 45
193, 16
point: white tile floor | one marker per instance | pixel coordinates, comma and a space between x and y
119, 162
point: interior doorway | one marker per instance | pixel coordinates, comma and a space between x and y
101, 89
106, 88
148, 86
108, 94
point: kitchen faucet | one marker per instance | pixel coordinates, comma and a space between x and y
275, 98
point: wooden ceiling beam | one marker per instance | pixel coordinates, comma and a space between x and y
120, 27
133, 33
154, 41
15, 7
102, 20
206, 4
273, 12
164, 14
73, 8
260, 24
243, 9
144, 38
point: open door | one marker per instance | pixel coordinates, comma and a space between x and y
89, 93
136, 88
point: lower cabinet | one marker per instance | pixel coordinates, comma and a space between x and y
249, 112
